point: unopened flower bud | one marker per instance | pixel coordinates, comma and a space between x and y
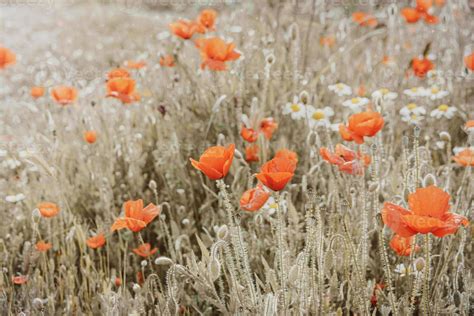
419, 264
222, 232
445, 136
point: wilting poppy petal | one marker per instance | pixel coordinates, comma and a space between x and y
252, 200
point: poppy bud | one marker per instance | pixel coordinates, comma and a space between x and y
214, 269
136, 288
445, 136
270, 59
419, 264
144, 263
152, 185
304, 97
373, 186
185, 221
429, 180
163, 261
222, 232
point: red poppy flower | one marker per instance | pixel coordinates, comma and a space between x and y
411, 15
364, 19
97, 241
251, 153
364, 124
215, 52
64, 94
43, 246
423, 5
7, 57
136, 217
252, 200
469, 61
144, 250
90, 136
215, 162
276, 173
289, 155
421, 66
186, 29
123, 89
402, 245
207, 18
268, 126
249, 134
20, 279
428, 214
135, 64
347, 160
48, 209
465, 158
37, 92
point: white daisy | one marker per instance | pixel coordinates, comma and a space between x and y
296, 109
15, 198
444, 110
384, 94
271, 206
415, 92
435, 93
319, 117
412, 108
340, 89
401, 269
413, 119
356, 104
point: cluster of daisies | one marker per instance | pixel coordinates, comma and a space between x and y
413, 112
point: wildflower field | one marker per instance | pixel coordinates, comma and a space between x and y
236, 157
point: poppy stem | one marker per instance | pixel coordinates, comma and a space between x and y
281, 249
426, 278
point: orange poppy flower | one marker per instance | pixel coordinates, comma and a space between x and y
428, 214
186, 29
268, 126
144, 250
215, 52
7, 57
328, 41
252, 200
207, 18
465, 158
364, 124
43, 246
136, 217
20, 279
37, 92
118, 73
251, 153
97, 241
469, 126
122, 89
421, 66
402, 245
64, 94
135, 64
411, 15
249, 134
423, 5
364, 19
167, 61
469, 61
48, 209
215, 162
276, 173
347, 160
90, 136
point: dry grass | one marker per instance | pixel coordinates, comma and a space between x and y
333, 243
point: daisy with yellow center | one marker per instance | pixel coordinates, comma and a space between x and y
436, 93
296, 109
340, 89
416, 92
412, 108
356, 104
384, 94
319, 117
445, 111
